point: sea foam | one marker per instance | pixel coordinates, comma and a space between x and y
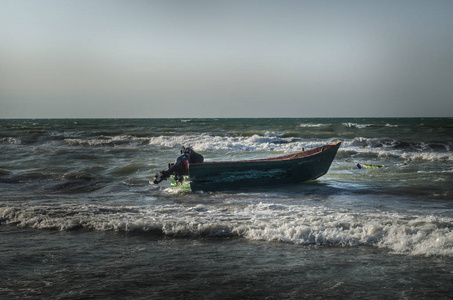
296, 224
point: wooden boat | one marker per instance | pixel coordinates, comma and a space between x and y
288, 169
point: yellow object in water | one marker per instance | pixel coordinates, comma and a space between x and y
360, 166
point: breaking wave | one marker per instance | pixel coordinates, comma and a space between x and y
11, 140
204, 142
108, 141
276, 142
401, 149
356, 125
405, 234
314, 125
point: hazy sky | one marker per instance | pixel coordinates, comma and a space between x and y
95, 58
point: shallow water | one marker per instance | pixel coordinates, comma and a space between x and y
78, 217
102, 265
79, 265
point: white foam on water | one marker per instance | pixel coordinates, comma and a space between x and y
107, 140
296, 224
268, 142
428, 156
363, 146
11, 140
313, 125
274, 142
356, 125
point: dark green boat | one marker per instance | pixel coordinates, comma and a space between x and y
288, 169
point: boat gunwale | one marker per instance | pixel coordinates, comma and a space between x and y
301, 154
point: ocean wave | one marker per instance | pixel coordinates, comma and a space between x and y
362, 126
77, 182
11, 140
430, 156
404, 234
400, 144
434, 151
273, 142
356, 125
107, 141
270, 141
4, 172
314, 125
401, 155
128, 169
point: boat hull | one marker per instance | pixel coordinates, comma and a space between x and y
290, 169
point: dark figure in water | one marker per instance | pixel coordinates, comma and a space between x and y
181, 166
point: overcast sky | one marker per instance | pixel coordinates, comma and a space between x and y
96, 58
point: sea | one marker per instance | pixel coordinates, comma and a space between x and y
79, 218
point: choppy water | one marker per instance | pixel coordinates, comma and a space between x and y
78, 217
